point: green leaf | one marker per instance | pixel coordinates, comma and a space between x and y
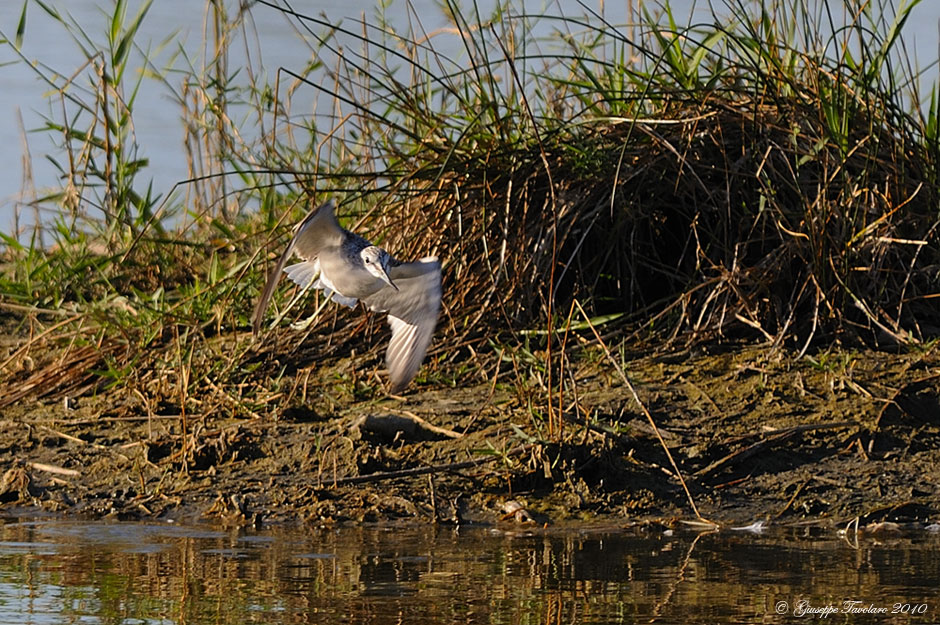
48, 9
21, 28
124, 45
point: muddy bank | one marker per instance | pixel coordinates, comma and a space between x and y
786, 440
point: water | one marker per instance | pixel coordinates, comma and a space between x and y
158, 129
80, 572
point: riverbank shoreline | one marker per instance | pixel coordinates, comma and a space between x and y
819, 440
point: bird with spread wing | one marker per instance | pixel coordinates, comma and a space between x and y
348, 268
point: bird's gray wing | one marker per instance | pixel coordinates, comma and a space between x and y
318, 230
412, 314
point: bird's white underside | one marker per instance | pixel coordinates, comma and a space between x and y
307, 274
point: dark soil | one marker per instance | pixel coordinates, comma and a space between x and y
774, 438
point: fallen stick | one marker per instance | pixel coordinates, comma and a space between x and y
69, 437
48, 468
743, 454
772, 437
430, 427
409, 424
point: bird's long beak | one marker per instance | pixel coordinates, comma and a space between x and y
386, 279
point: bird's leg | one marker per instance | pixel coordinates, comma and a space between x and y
303, 325
291, 303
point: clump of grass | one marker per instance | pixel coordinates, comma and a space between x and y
751, 175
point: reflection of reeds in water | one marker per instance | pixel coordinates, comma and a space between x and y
133, 572
747, 176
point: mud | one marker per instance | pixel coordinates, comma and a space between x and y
757, 436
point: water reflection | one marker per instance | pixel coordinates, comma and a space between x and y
53, 572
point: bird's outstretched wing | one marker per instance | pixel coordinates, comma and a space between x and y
412, 314
317, 231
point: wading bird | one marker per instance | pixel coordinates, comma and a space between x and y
348, 268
